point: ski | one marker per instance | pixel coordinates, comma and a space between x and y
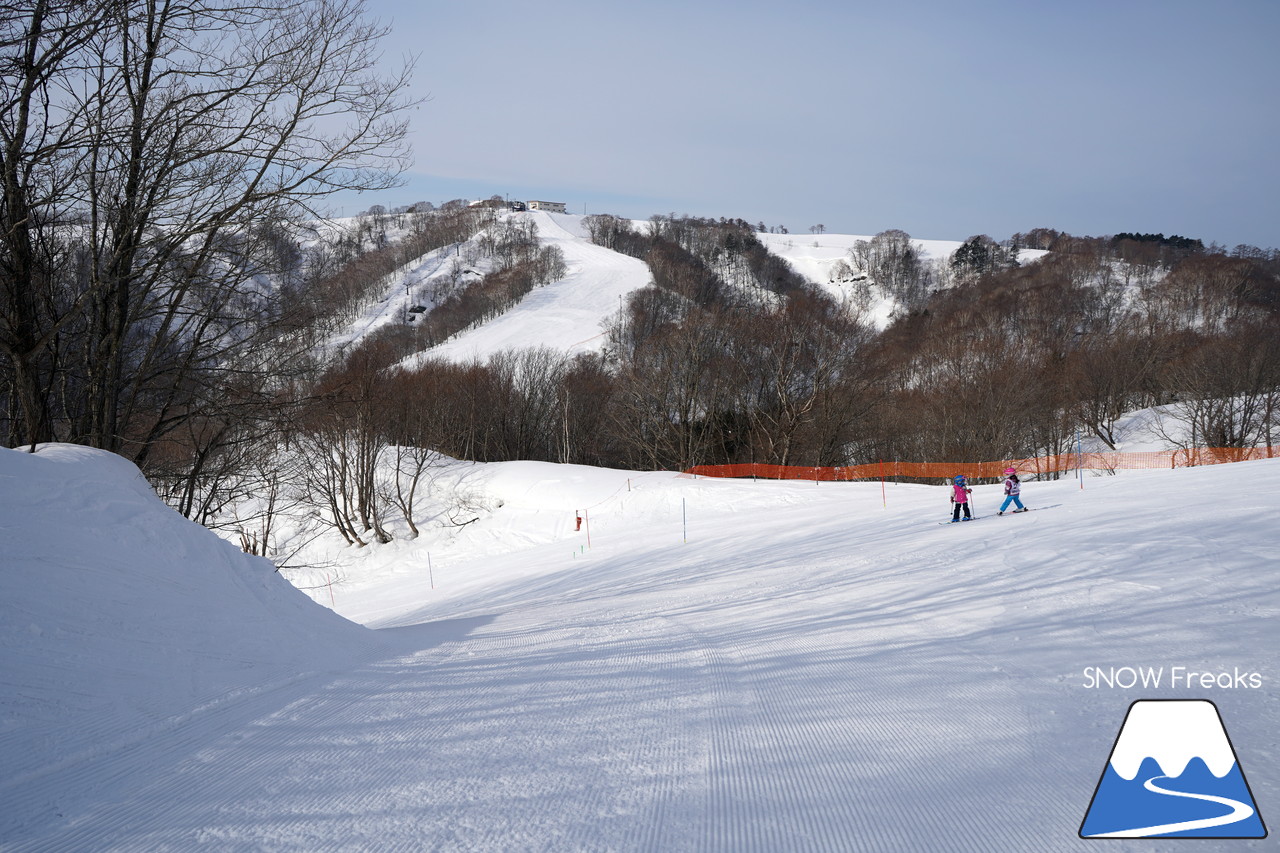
963, 520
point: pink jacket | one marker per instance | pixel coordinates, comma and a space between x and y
961, 494
1012, 486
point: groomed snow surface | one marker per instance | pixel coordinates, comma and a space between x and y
730, 665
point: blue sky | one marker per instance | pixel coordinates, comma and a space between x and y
944, 119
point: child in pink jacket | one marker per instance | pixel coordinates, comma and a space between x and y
960, 492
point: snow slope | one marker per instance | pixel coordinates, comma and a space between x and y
566, 315
730, 665
815, 255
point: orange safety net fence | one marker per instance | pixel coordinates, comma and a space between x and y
1105, 461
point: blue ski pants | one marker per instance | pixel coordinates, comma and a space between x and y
1011, 499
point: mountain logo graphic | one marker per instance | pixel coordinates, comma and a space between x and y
1172, 773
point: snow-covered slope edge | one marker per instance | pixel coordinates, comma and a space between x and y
151, 617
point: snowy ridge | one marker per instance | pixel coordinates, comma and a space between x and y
1172, 733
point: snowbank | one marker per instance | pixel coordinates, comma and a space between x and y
119, 618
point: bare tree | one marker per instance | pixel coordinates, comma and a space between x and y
1227, 387
1107, 377
41, 135
409, 471
673, 390
193, 124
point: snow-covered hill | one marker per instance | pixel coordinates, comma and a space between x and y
704, 665
569, 315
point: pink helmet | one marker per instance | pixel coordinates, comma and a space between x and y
1011, 470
